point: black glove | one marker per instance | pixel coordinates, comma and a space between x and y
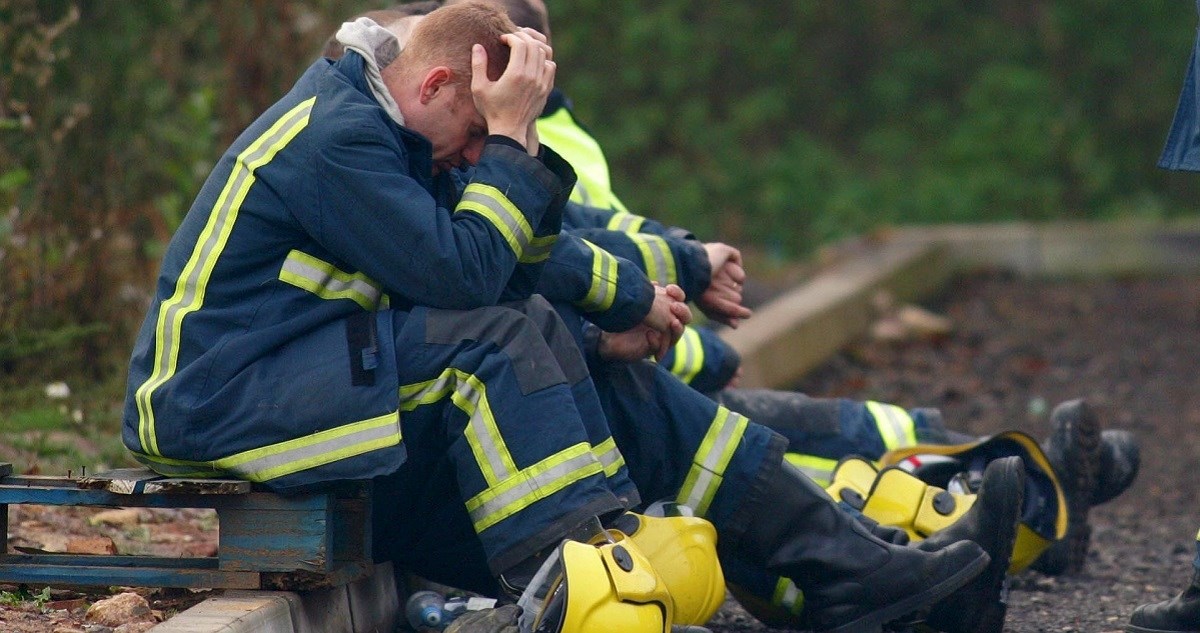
499, 620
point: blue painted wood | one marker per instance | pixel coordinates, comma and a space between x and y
276, 541
319, 539
81, 574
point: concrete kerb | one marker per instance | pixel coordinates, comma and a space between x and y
368, 605
801, 329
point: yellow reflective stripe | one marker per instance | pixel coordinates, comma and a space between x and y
497, 209
788, 596
895, 425
656, 254
291, 456
818, 469
711, 459
609, 456
325, 280
469, 394
689, 355
625, 222
533, 484
603, 291
539, 249
191, 286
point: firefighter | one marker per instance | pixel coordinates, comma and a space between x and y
1181, 153
1089, 465
333, 307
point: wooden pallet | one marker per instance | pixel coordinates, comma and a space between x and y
266, 541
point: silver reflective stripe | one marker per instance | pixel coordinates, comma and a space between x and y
307, 453
492, 204
532, 484
689, 356
326, 281
789, 596
539, 249
713, 455
610, 457
660, 264
290, 456
895, 424
191, 285
625, 222
469, 394
604, 280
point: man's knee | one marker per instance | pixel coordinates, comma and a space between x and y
536, 363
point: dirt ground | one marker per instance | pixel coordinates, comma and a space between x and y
1130, 347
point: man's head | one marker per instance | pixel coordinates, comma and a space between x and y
526, 13
399, 19
431, 79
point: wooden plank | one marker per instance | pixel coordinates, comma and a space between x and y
57, 495
130, 481
104, 576
124, 481
276, 540
198, 487
107, 560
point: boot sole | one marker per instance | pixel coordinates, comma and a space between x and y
984, 595
1131, 628
1080, 465
873, 622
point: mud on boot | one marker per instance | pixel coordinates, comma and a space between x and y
1074, 451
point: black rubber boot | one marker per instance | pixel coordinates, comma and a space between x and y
1074, 451
1120, 458
852, 581
1180, 614
980, 607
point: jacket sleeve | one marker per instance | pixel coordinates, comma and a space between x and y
526, 279
610, 291
587, 217
379, 219
703, 360
665, 260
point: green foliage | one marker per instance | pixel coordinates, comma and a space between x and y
791, 123
779, 123
23, 595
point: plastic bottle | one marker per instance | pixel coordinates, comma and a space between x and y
426, 610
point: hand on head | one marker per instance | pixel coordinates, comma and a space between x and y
511, 104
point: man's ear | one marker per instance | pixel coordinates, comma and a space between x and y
435, 81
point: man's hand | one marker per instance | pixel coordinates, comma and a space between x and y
657, 332
512, 103
722, 300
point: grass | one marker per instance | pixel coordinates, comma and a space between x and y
24, 595
56, 435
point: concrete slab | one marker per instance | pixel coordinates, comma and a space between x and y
234, 612
798, 331
368, 605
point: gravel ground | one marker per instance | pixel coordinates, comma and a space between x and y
1130, 347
